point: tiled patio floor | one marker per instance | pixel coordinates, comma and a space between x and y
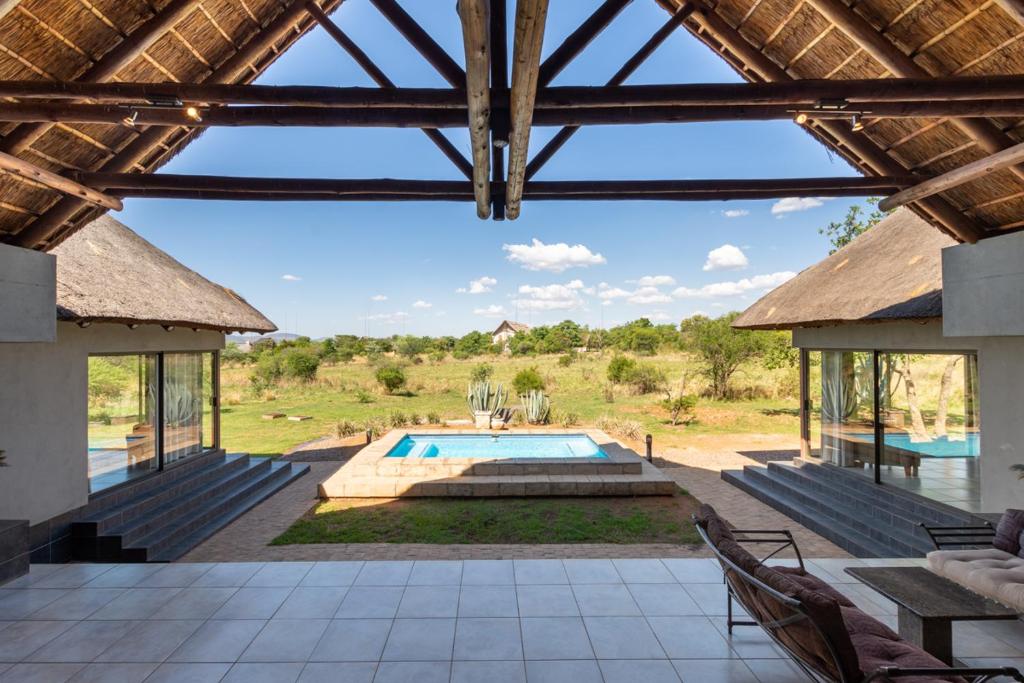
478, 620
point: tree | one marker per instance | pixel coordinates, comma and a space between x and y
721, 347
527, 380
391, 377
473, 344
300, 363
857, 221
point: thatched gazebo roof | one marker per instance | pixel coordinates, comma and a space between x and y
107, 273
220, 43
891, 272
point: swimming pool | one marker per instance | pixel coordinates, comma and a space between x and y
961, 446
496, 446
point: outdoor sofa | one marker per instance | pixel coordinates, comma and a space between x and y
995, 571
819, 627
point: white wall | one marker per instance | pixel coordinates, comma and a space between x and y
1000, 388
983, 287
28, 295
44, 411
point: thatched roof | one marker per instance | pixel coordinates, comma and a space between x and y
891, 272
511, 325
781, 39
107, 273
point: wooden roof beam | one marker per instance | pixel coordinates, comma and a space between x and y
143, 146
381, 79
531, 16
988, 136
632, 64
858, 145
499, 89
118, 57
578, 40
421, 40
30, 171
476, 28
958, 176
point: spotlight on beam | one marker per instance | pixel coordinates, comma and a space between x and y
130, 119
193, 113
800, 118
856, 123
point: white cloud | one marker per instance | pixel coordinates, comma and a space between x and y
422, 304
649, 295
492, 311
734, 288
378, 297
658, 317
726, 257
656, 281
550, 297
607, 293
735, 213
791, 204
389, 318
479, 286
552, 257
290, 278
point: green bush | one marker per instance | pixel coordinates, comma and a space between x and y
567, 359
300, 363
391, 377
364, 396
619, 368
527, 380
433, 418
397, 419
438, 356
645, 378
267, 372
481, 372
569, 419
346, 428
680, 408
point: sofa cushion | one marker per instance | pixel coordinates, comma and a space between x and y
995, 574
877, 646
813, 583
938, 559
1007, 537
716, 527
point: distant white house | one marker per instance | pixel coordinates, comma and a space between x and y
505, 331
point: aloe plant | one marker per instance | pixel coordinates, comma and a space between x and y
536, 406
482, 399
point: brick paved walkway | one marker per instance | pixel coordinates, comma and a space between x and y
246, 539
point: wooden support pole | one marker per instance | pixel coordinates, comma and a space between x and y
856, 144
965, 174
578, 40
476, 27
985, 133
421, 40
531, 16
142, 147
25, 169
109, 64
617, 79
386, 84
499, 90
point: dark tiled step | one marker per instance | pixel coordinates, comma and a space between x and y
830, 510
849, 539
132, 490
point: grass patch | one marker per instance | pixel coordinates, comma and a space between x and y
656, 519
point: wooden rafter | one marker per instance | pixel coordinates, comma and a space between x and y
109, 64
578, 40
24, 169
617, 79
476, 29
531, 15
959, 176
499, 89
421, 40
378, 76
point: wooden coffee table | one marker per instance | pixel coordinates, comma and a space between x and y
928, 604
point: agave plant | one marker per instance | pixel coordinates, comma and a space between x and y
482, 399
181, 405
536, 406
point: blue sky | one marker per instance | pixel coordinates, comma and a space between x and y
384, 268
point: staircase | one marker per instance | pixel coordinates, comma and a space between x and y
847, 508
163, 517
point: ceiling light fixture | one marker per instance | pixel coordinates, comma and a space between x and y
801, 118
856, 123
164, 101
130, 119
834, 104
193, 113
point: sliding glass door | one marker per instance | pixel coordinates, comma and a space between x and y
149, 411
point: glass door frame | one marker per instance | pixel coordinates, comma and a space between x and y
159, 408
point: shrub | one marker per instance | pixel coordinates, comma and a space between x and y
527, 380
567, 359
481, 372
397, 419
569, 419
680, 408
608, 391
376, 427
619, 368
414, 419
433, 418
346, 428
363, 396
391, 377
267, 372
646, 378
438, 356
300, 363
627, 429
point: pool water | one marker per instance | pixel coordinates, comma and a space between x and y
960, 446
496, 447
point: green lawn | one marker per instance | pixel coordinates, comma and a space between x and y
658, 519
441, 387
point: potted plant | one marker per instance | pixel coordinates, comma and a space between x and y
485, 403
